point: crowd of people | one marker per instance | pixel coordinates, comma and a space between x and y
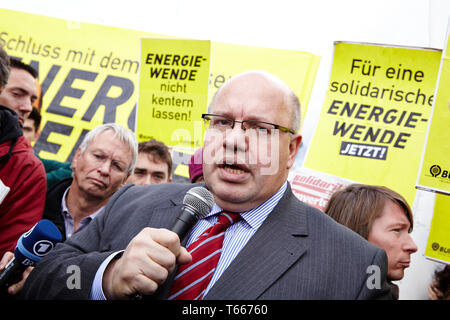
115, 203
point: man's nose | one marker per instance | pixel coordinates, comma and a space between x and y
236, 139
25, 106
410, 245
148, 179
104, 168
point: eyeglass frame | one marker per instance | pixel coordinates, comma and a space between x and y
276, 126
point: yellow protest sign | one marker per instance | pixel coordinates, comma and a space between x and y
438, 244
88, 75
298, 69
373, 122
173, 90
434, 172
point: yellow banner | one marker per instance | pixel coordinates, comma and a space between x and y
173, 91
298, 69
434, 172
438, 245
374, 119
89, 75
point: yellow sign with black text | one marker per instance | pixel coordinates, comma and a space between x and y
438, 244
90, 75
173, 91
297, 69
374, 119
434, 174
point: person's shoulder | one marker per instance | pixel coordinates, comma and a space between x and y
327, 229
23, 166
154, 194
158, 189
23, 154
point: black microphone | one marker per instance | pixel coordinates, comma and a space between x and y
31, 247
197, 204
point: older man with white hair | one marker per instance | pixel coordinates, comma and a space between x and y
101, 166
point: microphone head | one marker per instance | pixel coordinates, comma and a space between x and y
200, 199
34, 244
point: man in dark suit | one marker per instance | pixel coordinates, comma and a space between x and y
279, 249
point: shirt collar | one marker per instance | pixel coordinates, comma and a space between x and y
256, 216
65, 210
63, 202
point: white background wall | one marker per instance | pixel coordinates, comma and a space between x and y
310, 26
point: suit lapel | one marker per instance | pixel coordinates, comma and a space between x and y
164, 217
279, 242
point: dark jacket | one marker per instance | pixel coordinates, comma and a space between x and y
298, 252
53, 209
56, 171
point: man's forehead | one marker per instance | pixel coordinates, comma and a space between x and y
17, 72
100, 143
393, 213
152, 163
149, 157
22, 78
250, 105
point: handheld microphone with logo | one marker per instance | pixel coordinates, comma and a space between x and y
197, 204
32, 246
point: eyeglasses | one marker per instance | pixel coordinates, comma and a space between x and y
222, 123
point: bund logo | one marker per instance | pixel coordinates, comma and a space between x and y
435, 170
439, 173
437, 247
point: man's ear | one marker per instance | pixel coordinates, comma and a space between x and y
75, 158
37, 134
294, 145
124, 181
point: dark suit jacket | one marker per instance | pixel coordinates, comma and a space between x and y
52, 210
298, 252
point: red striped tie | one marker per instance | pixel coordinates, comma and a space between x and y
193, 278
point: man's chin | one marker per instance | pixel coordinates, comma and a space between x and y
231, 196
396, 276
95, 192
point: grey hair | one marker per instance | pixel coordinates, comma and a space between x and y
4, 67
293, 103
125, 135
291, 99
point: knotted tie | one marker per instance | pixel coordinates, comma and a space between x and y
193, 278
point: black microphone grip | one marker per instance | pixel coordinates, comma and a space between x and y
11, 274
184, 222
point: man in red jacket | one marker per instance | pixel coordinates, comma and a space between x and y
20, 171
